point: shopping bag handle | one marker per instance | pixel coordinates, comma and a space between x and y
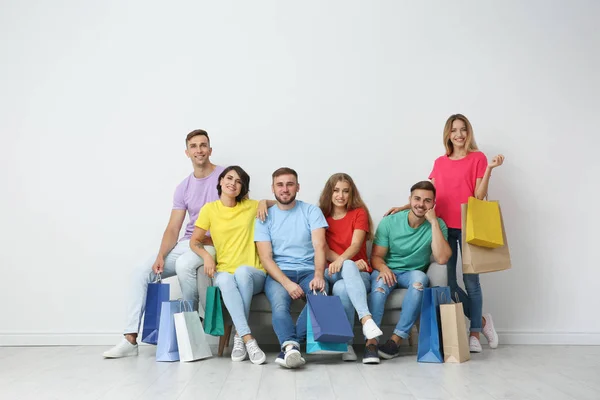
158, 278
322, 291
183, 303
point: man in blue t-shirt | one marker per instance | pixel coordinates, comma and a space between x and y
402, 248
291, 245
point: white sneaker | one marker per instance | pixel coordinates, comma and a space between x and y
474, 345
371, 330
293, 358
238, 353
257, 356
123, 349
350, 355
490, 332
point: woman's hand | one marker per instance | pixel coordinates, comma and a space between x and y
336, 266
496, 161
261, 212
362, 265
210, 267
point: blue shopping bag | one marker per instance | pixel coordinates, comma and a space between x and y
328, 319
314, 347
167, 349
157, 293
430, 332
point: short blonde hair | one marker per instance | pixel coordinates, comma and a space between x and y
470, 142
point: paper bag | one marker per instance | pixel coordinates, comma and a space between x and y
191, 339
479, 260
454, 333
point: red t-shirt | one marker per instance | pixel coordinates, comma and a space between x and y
455, 182
340, 231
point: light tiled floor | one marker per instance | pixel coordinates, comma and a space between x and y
509, 372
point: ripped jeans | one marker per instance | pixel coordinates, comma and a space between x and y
415, 281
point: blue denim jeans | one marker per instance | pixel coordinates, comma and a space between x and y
352, 286
287, 332
237, 290
472, 300
411, 305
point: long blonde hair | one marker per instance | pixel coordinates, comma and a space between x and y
354, 199
469, 143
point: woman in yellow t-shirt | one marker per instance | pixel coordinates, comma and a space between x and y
238, 272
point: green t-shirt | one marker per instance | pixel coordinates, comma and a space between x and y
408, 248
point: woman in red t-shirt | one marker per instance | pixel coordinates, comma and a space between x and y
461, 173
348, 273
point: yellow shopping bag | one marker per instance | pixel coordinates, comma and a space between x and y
484, 225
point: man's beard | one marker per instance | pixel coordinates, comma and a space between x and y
285, 203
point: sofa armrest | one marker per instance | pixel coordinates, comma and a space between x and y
438, 275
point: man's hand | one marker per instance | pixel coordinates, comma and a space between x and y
336, 266
362, 265
388, 276
294, 290
159, 265
430, 215
317, 283
210, 267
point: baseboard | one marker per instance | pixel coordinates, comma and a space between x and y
68, 339
108, 339
550, 338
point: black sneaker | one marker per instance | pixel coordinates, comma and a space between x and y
371, 356
388, 350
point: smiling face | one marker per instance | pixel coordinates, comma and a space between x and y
285, 188
199, 150
231, 184
341, 194
459, 134
421, 201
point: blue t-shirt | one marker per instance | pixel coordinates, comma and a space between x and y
289, 232
408, 248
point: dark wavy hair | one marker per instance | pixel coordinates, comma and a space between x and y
244, 177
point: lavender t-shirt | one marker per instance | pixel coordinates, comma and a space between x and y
193, 193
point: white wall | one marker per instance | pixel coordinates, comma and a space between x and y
97, 97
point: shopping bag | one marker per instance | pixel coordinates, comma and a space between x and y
484, 225
454, 333
166, 348
328, 319
156, 294
315, 347
430, 347
479, 260
191, 339
213, 315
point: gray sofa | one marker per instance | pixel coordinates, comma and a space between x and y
260, 313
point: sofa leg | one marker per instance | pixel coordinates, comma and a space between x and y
224, 340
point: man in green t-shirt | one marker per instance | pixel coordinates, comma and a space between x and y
402, 249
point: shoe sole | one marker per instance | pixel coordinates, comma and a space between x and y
386, 355
353, 358
374, 334
105, 355
259, 361
371, 360
293, 360
238, 359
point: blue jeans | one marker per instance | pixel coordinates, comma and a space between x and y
472, 300
411, 305
286, 331
351, 286
237, 290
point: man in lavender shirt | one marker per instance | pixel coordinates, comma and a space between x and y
175, 256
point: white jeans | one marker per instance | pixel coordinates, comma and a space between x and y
181, 261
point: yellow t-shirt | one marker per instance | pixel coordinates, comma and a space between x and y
232, 232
